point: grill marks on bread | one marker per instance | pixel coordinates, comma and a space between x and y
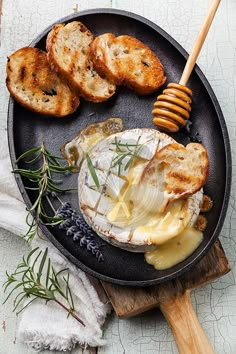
69, 53
77, 65
127, 61
36, 86
184, 170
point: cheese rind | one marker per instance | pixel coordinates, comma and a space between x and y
125, 215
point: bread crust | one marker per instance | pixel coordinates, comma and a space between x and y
127, 61
73, 41
33, 84
185, 169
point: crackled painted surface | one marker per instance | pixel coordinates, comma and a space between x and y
215, 304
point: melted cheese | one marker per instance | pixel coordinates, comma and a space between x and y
77, 148
164, 226
176, 250
144, 209
123, 213
91, 140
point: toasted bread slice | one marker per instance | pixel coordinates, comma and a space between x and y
127, 61
183, 170
68, 49
34, 85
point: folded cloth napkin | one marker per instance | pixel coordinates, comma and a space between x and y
47, 326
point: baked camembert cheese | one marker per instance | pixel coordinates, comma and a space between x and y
141, 192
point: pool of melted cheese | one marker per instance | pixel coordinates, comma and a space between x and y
176, 250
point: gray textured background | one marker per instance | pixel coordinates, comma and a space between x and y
215, 304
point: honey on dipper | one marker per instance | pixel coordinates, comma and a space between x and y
172, 108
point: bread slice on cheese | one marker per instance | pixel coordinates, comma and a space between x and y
34, 85
68, 47
182, 170
127, 61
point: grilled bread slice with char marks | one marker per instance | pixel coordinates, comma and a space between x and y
34, 85
183, 170
68, 47
127, 61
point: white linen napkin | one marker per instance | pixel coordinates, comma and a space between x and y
47, 326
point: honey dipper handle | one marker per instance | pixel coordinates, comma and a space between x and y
199, 42
188, 333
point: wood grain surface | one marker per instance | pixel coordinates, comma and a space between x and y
173, 298
129, 301
215, 304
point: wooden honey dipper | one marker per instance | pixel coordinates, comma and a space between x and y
172, 108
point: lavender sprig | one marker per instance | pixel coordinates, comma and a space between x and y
77, 228
46, 185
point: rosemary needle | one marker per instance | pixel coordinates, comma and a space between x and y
92, 171
44, 181
124, 150
29, 281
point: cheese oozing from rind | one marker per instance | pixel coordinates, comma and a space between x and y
128, 213
176, 250
75, 150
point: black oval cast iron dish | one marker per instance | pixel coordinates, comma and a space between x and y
27, 129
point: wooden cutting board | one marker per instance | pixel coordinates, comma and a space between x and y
173, 298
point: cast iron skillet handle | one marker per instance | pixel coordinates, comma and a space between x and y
188, 333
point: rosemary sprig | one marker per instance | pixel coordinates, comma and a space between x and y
44, 182
92, 171
28, 279
124, 150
